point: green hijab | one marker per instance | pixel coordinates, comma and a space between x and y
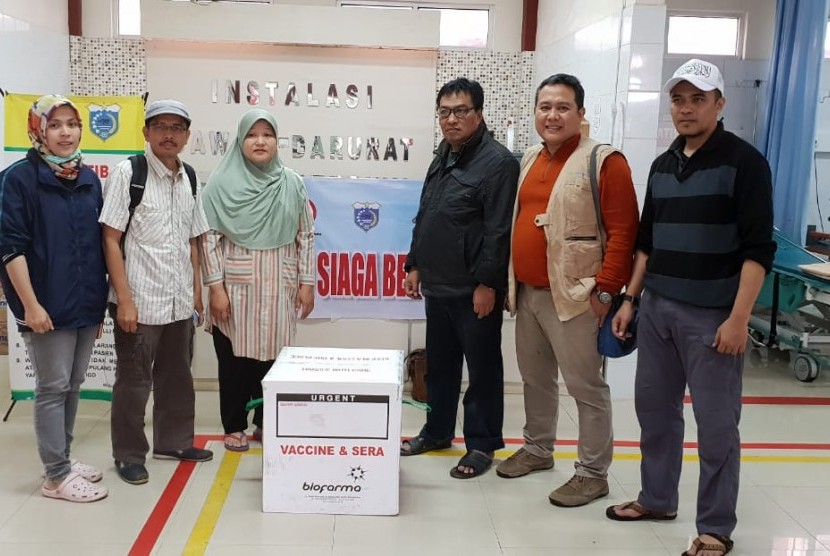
255, 207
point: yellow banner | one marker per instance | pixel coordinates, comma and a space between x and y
112, 125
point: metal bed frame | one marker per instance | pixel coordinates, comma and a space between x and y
791, 318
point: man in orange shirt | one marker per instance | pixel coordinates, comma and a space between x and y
561, 286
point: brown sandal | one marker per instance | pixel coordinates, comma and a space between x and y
724, 547
645, 515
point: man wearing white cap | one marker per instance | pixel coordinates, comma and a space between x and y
704, 246
154, 290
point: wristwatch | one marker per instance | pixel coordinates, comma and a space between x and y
634, 300
604, 297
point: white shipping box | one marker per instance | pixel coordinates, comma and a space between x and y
332, 429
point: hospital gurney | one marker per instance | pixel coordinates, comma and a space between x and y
791, 318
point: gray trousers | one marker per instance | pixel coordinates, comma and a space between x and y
674, 350
544, 346
60, 359
156, 358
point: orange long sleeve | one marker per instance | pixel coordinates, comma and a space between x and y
620, 215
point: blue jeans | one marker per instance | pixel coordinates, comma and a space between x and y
59, 359
454, 333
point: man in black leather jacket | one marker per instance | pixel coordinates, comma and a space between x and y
458, 261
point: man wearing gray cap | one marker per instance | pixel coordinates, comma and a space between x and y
155, 288
704, 246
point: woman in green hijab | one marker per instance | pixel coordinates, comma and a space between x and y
258, 262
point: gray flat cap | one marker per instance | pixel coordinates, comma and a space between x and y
167, 106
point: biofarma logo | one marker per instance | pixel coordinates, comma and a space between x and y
356, 473
314, 487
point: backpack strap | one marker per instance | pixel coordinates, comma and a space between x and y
138, 181
191, 175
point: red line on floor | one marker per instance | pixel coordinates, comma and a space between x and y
150, 533
782, 446
688, 445
777, 400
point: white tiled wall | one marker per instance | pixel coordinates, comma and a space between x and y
618, 56
591, 52
743, 112
641, 92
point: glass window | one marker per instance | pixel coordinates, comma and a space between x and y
129, 17
721, 34
460, 27
375, 7
463, 28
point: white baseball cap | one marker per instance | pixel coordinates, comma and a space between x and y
703, 75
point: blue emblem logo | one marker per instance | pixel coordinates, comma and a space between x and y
103, 120
366, 215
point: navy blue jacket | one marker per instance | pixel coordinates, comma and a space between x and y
54, 223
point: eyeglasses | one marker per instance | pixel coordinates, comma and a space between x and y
460, 112
164, 128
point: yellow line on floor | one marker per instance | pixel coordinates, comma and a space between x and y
624, 456
215, 501
211, 510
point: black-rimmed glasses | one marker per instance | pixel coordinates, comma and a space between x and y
460, 112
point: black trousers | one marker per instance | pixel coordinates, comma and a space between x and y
240, 381
455, 333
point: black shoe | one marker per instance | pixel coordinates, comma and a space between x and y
188, 454
133, 473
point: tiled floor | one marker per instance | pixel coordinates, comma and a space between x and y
784, 506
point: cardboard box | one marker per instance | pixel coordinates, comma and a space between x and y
332, 427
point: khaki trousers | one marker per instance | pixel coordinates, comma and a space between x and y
545, 345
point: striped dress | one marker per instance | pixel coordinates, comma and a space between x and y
262, 288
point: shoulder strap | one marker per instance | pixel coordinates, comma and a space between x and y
592, 173
191, 175
138, 164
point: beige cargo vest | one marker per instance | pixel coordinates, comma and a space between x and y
574, 250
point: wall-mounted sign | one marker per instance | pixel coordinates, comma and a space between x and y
340, 111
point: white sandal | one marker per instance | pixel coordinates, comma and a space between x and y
88, 472
75, 488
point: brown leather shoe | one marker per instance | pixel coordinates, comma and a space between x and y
521, 463
578, 491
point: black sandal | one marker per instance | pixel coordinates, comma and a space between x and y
420, 444
645, 514
724, 548
477, 460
